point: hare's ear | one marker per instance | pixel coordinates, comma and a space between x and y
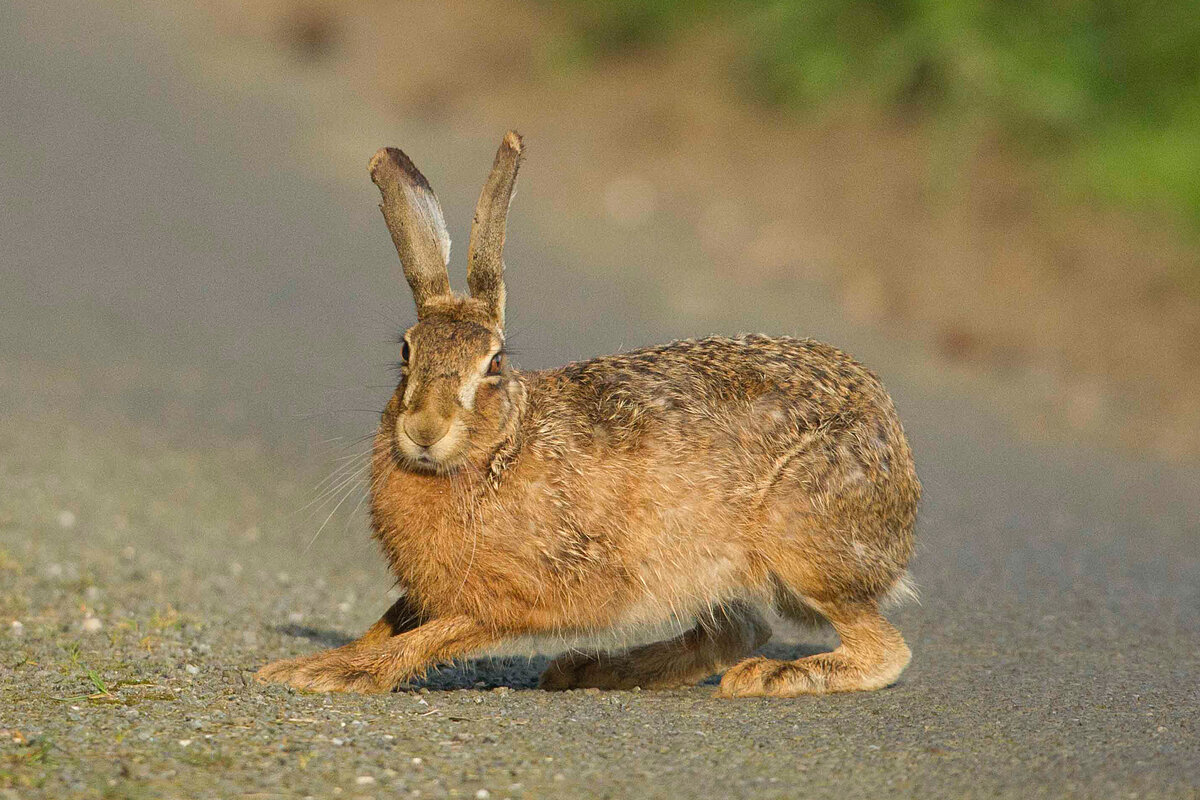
485, 255
414, 218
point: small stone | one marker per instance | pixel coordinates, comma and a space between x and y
184, 742
92, 625
338, 742
482, 794
191, 669
417, 761
66, 519
17, 627
364, 780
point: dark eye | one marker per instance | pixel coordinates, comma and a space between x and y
496, 364
405, 352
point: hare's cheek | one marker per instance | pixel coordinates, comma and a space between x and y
488, 398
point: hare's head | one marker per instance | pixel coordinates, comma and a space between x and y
457, 392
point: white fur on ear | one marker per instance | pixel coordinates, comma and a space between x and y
426, 206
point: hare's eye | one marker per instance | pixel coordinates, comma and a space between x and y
496, 364
405, 352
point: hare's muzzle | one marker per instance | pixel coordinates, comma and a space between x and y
426, 429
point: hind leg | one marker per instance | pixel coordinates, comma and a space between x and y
735, 631
872, 655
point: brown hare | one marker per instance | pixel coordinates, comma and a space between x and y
699, 482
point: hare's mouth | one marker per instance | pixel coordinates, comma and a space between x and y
442, 456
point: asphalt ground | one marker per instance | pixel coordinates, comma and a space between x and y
194, 328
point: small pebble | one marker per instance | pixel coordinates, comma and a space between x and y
184, 742
338, 742
416, 761
92, 625
482, 794
364, 780
192, 669
17, 627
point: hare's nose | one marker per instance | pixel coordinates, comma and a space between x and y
426, 431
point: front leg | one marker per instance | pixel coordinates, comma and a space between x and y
401, 617
380, 667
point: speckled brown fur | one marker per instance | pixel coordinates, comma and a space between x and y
695, 481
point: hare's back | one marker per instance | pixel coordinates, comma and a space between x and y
696, 386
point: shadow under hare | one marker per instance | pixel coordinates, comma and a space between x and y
697, 483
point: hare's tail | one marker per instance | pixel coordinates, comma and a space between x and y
903, 591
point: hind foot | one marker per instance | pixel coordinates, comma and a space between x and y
871, 656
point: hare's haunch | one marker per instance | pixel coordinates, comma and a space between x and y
696, 483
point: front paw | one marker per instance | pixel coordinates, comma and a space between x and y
281, 671
336, 674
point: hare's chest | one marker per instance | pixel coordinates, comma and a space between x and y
443, 551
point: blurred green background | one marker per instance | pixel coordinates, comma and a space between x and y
1107, 94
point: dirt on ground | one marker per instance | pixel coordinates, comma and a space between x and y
944, 237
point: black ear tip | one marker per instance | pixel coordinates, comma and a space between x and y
391, 163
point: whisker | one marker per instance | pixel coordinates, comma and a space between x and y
313, 540
327, 495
